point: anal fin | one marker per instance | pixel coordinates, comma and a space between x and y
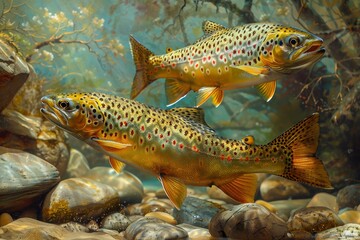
206, 92
175, 90
241, 189
116, 164
174, 188
267, 90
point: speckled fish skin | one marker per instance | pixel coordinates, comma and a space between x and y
179, 148
227, 58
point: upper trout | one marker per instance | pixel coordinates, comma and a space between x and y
179, 148
227, 58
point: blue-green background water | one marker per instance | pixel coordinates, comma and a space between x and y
95, 56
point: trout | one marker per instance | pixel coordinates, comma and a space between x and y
179, 148
227, 58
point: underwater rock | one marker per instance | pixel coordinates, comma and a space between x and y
153, 228
23, 179
324, 200
5, 218
285, 207
143, 208
278, 188
80, 200
349, 196
74, 227
196, 232
162, 216
197, 212
28, 228
33, 135
128, 186
248, 221
30, 212
350, 231
350, 216
78, 166
115, 221
13, 73
269, 206
313, 220
92, 226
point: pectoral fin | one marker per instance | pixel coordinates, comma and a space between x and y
206, 92
253, 70
174, 188
116, 164
109, 145
175, 90
241, 189
267, 90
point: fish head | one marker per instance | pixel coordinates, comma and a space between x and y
77, 113
290, 49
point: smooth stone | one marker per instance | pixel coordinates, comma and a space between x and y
350, 216
128, 186
162, 216
313, 220
285, 207
143, 208
269, 206
48, 142
278, 188
115, 221
80, 200
153, 228
78, 165
28, 228
24, 178
350, 231
197, 212
74, 227
14, 71
349, 196
5, 218
196, 233
324, 200
248, 221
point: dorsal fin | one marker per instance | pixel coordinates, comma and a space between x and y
195, 115
210, 27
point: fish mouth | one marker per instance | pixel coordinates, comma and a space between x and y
52, 113
308, 54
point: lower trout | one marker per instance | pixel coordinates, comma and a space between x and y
179, 148
256, 54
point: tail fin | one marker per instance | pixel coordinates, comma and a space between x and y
141, 59
304, 166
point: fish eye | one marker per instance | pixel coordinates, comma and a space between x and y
293, 41
64, 104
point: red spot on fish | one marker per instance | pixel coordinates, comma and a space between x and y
161, 136
121, 124
162, 65
221, 56
241, 159
209, 57
174, 142
230, 55
125, 123
196, 65
181, 146
142, 128
149, 136
173, 65
204, 59
213, 62
257, 159
194, 148
234, 51
222, 157
217, 49
229, 158
147, 149
132, 132
141, 140
163, 145
247, 158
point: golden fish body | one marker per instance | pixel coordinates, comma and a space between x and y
227, 58
180, 149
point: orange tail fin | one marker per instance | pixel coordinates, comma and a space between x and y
141, 59
304, 166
